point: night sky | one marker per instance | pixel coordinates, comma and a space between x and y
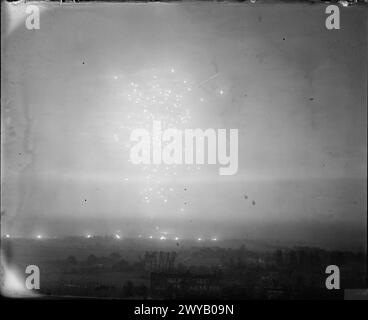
73, 91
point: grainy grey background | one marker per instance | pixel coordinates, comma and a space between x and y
295, 91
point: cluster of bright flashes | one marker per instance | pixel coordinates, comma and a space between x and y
165, 96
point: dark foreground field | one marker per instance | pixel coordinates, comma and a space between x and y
149, 268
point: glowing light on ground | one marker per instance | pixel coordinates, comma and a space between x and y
116, 137
39, 236
117, 236
162, 238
